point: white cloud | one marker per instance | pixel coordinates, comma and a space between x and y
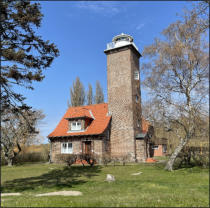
140, 26
104, 8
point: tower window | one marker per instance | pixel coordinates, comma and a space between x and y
136, 75
138, 123
137, 98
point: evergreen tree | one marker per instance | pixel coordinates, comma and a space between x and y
77, 94
90, 95
24, 54
99, 96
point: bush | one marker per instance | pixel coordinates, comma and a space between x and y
91, 159
3, 161
32, 153
193, 156
106, 159
115, 160
31, 157
69, 159
125, 159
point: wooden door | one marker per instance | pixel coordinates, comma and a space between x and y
87, 147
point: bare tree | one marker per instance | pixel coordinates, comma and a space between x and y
201, 10
99, 96
16, 130
77, 94
177, 76
90, 95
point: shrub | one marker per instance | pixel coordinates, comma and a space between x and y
193, 156
115, 159
106, 159
125, 159
69, 159
3, 161
91, 159
33, 153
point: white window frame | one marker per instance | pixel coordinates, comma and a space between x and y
136, 75
155, 147
66, 148
77, 127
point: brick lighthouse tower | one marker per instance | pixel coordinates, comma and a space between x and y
124, 97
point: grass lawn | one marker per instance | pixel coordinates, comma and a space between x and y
153, 188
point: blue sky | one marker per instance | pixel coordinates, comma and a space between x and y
81, 31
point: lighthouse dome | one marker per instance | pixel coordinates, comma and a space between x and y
120, 41
122, 37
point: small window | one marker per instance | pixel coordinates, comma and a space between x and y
155, 147
138, 123
76, 126
164, 148
137, 98
136, 75
66, 148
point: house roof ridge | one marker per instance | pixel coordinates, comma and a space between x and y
87, 105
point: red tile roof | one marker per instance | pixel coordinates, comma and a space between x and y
97, 112
97, 126
79, 113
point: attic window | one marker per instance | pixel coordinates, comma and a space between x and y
76, 126
136, 75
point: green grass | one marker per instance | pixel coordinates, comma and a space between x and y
155, 187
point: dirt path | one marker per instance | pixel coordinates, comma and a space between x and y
10, 194
62, 193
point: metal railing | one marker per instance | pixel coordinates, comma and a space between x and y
112, 45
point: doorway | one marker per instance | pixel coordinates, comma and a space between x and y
87, 147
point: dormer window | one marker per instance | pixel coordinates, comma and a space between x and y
76, 126
136, 75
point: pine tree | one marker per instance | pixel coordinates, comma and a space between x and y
24, 54
99, 96
77, 94
90, 95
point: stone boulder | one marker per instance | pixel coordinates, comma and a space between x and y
110, 178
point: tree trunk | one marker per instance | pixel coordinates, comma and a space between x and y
170, 163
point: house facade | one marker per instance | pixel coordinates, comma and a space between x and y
159, 147
84, 129
115, 128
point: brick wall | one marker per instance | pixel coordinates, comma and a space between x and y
140, 150
56, 147
122, 105
99, 145
159, 151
